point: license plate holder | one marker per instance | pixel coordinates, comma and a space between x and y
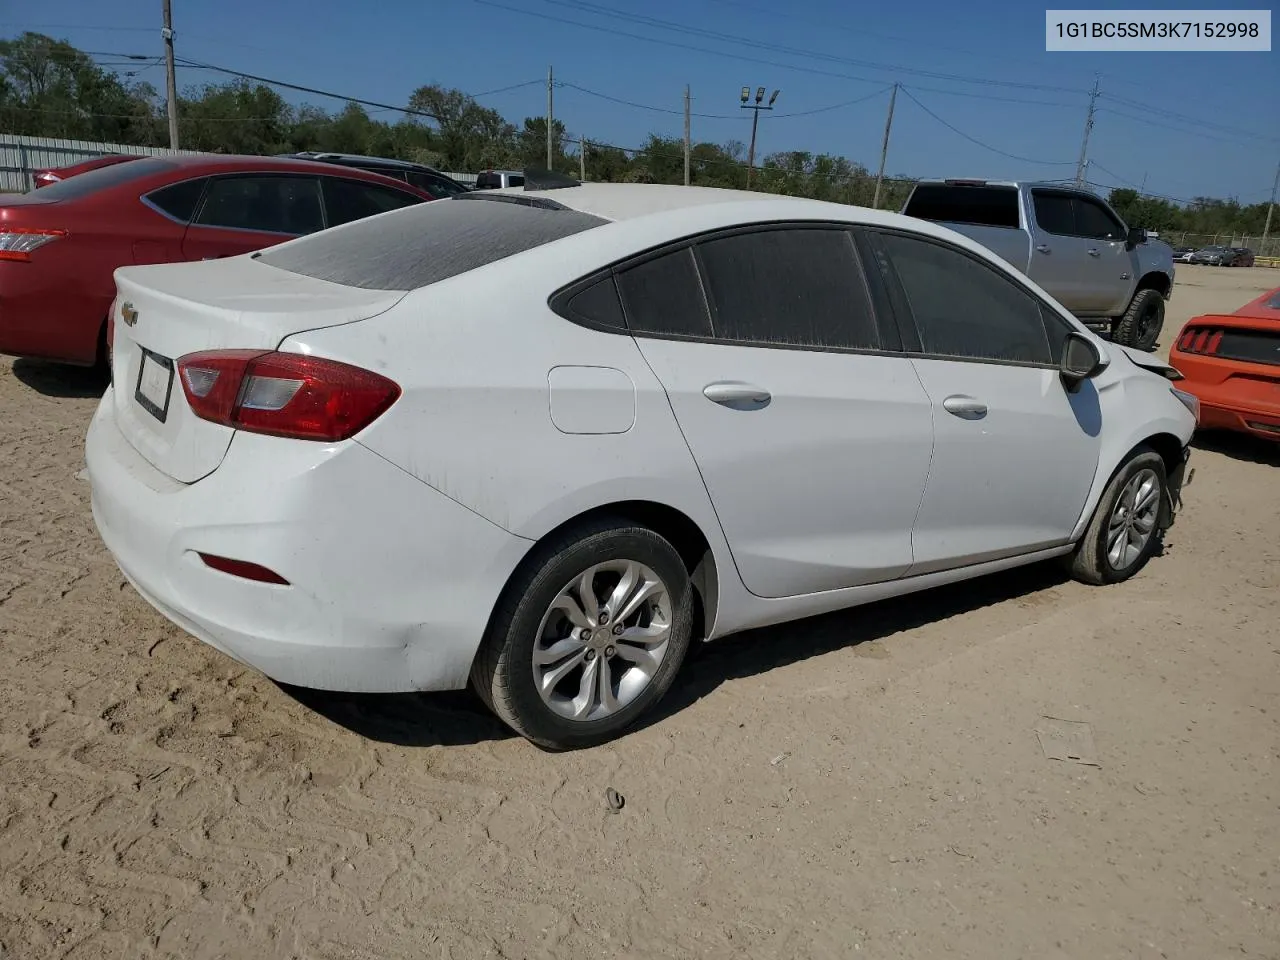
155, 384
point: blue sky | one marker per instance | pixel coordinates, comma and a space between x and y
1186, 124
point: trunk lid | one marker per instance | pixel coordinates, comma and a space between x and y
164, 312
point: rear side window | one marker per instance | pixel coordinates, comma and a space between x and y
802, 287
950, 203
426, 243
663, 296
966, 309
1053, 213
274, 204
488, 181
597, 306
436, 186
179, 200
347, 200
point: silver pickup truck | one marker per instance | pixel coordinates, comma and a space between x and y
1067, 240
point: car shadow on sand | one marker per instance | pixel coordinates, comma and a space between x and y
1238, 446
458, 718
60, 380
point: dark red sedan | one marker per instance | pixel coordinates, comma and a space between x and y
60, 245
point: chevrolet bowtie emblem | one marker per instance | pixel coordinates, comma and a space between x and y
129, 314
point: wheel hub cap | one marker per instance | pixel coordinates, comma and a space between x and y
602, 640
1133, 519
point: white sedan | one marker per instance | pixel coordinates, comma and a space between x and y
541, 440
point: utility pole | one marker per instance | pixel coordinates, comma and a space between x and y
687, 144
550, 115
171, 82
582, 160
755, 121
1088, 125
884, 148
1266, 228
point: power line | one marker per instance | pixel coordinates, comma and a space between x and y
586, 6
835, 106
985, 146
1183, 118
644, 106
1166, 126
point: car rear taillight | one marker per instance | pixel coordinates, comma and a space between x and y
16, 243
1203, 340
284, 394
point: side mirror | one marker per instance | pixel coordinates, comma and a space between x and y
1080, 361
1135, 236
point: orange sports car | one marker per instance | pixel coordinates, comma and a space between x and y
1232, 363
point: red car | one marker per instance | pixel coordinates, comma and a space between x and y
44, 178
60, 245
1232, 363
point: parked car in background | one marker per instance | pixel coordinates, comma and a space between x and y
1215, 256
59, 245
728, 410
44, 178
1183, 254
1244, 257
1068, 241
1232, 363
499, 179
437, 184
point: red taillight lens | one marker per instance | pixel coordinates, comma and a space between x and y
1200, 340
17, 243
1188, 336
284, 394
1211, 345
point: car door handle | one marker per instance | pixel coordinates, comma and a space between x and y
740, 395
1093, 252
1042, 248
966, 408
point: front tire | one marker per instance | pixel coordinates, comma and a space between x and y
1126, 528
588, 635
1141, 324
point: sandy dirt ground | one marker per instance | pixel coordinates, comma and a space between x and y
867, 784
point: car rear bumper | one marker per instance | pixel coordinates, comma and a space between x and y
390, 582
1233, 395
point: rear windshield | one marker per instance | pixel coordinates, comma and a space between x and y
426, 243
83, 184
982, 206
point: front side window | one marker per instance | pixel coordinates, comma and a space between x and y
801, 287
964, 308
274, 204
1095, 221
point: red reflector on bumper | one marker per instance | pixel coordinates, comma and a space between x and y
243, 568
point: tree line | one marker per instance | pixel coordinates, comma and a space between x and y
50, 88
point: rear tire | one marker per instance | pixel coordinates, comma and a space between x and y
1127, 525
588, 635
1141, 324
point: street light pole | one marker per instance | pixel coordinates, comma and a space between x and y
756, 107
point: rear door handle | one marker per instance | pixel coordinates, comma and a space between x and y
1042, 248
966, 408
742, 396
1093, 252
